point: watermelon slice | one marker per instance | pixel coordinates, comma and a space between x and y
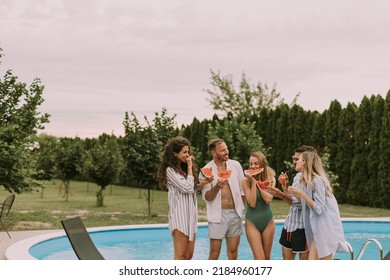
253, 171
284, 181
207, 171
225, 174
263, 185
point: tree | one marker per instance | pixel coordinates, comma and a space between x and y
325, 158
142, 146
46, 156
358, 192
103, 164
384, 165
241, 138
318, 131
332, 116
299, 134
282, 125
373, 159
343, 160
196, 132
245, 101
262, 127
19, 122
69, 162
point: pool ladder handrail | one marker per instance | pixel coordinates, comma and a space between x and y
365, 245
350, 249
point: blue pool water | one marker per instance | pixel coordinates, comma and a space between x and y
156, 243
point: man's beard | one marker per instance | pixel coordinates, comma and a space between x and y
223, 158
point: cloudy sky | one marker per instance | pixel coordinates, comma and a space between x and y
100, 59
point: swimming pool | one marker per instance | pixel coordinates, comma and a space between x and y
153, 242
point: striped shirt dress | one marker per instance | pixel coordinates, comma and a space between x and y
183, 204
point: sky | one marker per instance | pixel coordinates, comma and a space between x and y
101, 58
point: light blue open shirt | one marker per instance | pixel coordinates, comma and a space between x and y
322, 222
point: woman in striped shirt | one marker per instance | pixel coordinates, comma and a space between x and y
292, 238
176, 173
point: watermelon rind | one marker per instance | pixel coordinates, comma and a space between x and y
263, 185
207, 172
253, 172
225, 174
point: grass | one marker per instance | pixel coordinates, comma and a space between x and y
123, 206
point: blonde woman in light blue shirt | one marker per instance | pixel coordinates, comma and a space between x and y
320, 211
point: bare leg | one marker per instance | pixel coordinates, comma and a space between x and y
327, 257
183, 247
255, 241
268, 239
232, 247
304, 256
313, 252
215, 248
288, 254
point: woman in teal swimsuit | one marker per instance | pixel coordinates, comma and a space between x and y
259, 223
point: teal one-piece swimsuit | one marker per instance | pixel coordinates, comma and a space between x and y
261, 214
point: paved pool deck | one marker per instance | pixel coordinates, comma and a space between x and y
16, 236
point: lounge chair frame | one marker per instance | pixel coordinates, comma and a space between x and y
80, 240
5, 209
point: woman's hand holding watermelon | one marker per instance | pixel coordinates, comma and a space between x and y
283, 178
250, 177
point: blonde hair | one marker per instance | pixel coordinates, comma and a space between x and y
313, 168
268, 173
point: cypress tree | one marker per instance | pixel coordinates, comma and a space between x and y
280, 149
373, 159
269, 130
269, 139
384, 165
343, 160
298, 128
261, 120
358, 192
309, 125
331, 132
318, 131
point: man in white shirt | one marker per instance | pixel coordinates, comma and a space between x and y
224, 201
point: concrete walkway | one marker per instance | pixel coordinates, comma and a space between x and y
16, 236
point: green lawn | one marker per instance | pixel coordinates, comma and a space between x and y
123, 206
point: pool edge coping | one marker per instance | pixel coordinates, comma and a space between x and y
20, 250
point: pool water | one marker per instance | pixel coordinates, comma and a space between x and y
156, 243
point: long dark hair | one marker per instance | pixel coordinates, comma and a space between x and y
168, 159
